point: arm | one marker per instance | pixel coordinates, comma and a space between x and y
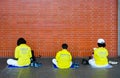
57, 55
106, 52
16, 53
70, 56
30, 53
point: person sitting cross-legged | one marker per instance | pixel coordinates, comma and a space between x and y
63, 59
22, 54
100, 55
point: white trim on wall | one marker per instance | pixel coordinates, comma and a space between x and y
118, 27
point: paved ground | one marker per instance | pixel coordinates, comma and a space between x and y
47, 71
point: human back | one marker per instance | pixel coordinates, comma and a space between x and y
23, 53
64, 58
100, 56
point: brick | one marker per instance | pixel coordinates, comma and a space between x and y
47, 24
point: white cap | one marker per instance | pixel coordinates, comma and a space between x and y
100, 40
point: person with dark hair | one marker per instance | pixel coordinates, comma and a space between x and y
22, 54
63, 58
21, 41
100, 55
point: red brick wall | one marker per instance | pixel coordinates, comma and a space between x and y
46, 24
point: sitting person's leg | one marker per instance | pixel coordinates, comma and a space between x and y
71, 63
12, 62
54, 62
92, 63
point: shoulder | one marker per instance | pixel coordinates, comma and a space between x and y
24, 46
101, 49
16, 47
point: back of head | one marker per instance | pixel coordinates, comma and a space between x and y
101, 42
21, 41
64, 46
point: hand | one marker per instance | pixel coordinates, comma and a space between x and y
94, 48
16, 58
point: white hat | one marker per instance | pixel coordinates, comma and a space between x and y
100, 40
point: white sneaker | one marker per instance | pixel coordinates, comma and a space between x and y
113, 62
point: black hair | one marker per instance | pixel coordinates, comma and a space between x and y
101, 44
21, 41
64, 46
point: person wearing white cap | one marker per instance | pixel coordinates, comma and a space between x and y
100, 55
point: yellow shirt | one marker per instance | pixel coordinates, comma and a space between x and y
64, 59
100, 56
23, 53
